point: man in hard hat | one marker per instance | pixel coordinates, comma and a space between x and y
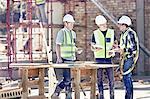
65, 50
41, 11
129, 47
102, 43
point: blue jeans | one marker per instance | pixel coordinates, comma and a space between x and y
110, 76
128, 79
65, 83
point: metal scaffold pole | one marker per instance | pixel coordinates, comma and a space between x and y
8, 36
29, 17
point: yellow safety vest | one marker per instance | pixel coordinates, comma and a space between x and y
40, 1
105, 42
68, 46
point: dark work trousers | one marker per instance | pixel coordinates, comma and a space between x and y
110, 75
65, 83
128, 79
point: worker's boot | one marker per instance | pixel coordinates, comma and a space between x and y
101, 96
69, 95
68, 92
55, 96
111, 94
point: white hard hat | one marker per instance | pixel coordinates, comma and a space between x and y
125, 20
100, 20
68, 18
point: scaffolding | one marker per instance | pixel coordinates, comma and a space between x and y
20, 42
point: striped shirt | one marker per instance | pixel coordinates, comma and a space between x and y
131, 39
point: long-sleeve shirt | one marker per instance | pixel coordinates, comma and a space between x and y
132, 41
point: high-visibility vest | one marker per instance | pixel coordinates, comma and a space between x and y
40, 1
68, 46
123, 40
125, 44
105, 42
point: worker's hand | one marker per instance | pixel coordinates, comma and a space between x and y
121, 51
95, 48
79, 50
115, 46
111, 53
59, 60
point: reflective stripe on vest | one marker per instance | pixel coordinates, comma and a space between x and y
101, 41
40, 1
68, 46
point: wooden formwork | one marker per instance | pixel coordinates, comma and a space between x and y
31, 72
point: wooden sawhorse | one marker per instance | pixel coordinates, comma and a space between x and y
77, 67
25, 83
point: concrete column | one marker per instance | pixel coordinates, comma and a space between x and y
140, 31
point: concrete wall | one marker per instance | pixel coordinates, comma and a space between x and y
147, 35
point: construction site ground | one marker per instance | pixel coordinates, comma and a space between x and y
141, 86
141, 90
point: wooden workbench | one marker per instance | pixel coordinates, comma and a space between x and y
25, 81
77, 67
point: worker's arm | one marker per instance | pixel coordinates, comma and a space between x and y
94, 47
59, 41
131, 39
114, 47
58, 53
93, 43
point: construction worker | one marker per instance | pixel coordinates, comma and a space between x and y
65, 50
41, 11
129, 48
102, 42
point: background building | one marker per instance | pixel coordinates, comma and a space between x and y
84, 12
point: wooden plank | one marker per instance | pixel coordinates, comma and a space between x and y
86, 66
25, 83
77, 82
100, 65
30, 65
69, 65
41, 81
31, 72
93, 82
